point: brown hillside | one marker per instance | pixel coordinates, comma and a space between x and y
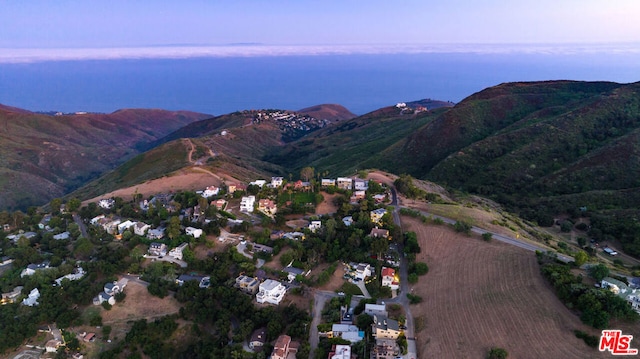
331, 112
43, 157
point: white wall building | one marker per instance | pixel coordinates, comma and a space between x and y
177, 251
271, 291
247, 203
193, 232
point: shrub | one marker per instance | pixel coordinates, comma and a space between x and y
462, 227
590, 340
414, 299
487, 236
413, 278
497, 353
420, 268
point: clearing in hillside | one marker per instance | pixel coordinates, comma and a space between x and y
478, 295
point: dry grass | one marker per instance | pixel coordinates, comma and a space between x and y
327, 206
478, 295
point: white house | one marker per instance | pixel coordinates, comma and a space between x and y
177, 251
341, 351
360, 184
362, 271
52, 345
157, 249
276, 182
125, 225
210, 191
32, 268
114, 288
348, 220
32, 299
141, 228
78, 273
94, 221
389, 278
106, 203
193, 232
314, 226
247, 203
271, 291
156, 233
104, 297
376, 309
619, 288
62, 236
347, 332
258, 183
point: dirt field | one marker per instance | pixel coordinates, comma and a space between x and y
327, 206
478, 295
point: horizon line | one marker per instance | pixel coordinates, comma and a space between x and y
187, 51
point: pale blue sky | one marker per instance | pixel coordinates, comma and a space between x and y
64, 24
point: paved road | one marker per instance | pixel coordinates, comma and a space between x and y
81, 225
320, 297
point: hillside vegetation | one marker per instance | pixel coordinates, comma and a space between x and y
42, 156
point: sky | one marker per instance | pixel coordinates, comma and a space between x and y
238, 26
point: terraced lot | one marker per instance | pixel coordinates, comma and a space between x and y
478, 295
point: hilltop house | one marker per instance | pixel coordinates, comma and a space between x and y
210, 191
267, 207
379, 233
326, 182
106, 203
193, 232
32, 268
104, 297
271, 291
247, 284
376, 215
203, 281
345, 183
247, 203
360, 184
281, 347
157, 249
632, 296
141, 228
276, 182
258, 339
389, 278
177, 251
114, 288
385, 328
32, 299
11, 297
259, 183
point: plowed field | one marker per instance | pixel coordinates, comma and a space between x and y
478, 295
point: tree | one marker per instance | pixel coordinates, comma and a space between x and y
173, 229
462, 227
598, 271
487, 236
580, 258
307, 173
55, 205
497, 353
73, 204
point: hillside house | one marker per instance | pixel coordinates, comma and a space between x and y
106, 203
258, 339
619, 288
376, 310
11, 297
32, 268
360, 184
112, 226
379, 233
78, 273
157, 249
315, 226
385, 349
32, 299
249, 285
345, 183
141, 228
296, 236
177, 251
125, 225
210, 191
156, 233
104, 297
193, 232
270, 291
361, 271
348, 220
390, 279
276, 182
95, 220
347, 332
5, 260
293, 272
326, 182
357, 196
379, 198
247, 203
62, 236
203, 281
385, 328
302, 185
267, 207
220, 204
231, 188
52, 345
377, 214
260, 183
340, 351
114, 288
281, 347
257, 247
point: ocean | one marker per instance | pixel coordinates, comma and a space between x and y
219, 85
